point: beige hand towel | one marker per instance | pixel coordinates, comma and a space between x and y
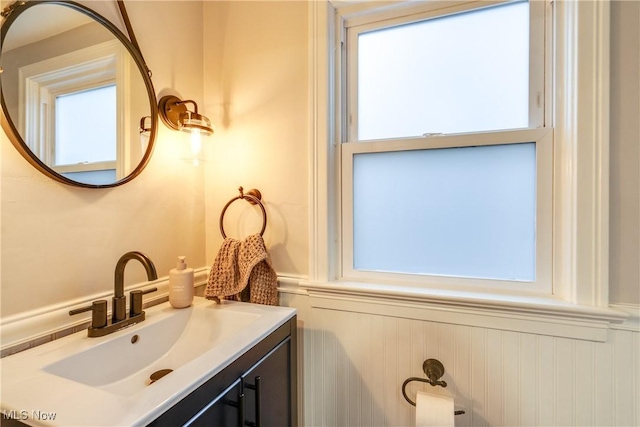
242, 271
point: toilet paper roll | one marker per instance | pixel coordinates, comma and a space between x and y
434, 411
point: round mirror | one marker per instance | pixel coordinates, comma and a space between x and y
77, 99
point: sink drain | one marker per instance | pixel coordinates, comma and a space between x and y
159, 374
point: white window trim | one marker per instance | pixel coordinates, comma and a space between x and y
580, 306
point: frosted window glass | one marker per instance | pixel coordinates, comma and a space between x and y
465, 212
86, 135
460, 73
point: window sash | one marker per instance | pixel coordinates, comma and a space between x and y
543, 138
378, 18
107, 100
377, 21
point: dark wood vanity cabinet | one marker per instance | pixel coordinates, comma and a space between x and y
224, 410
257, 389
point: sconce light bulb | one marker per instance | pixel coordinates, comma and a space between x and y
196, 146
144, 141
196, 143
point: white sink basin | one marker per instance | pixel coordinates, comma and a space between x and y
106, 381
125, 363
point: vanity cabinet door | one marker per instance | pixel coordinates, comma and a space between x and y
267, 388
226, 410
231, 398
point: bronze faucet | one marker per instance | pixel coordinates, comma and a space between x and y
119, 320
119, 300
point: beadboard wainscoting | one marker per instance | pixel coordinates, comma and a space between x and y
353, 365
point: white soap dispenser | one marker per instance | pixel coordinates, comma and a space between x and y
181, 285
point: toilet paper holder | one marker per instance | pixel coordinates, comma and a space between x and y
434, 370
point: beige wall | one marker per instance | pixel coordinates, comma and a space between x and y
625, 153
61, 243
256, 90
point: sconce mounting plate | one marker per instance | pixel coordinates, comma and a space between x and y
170, 108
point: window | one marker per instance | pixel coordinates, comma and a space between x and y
84, 137
446, 163
570, 131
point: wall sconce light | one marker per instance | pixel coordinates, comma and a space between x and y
176, 116
145, 133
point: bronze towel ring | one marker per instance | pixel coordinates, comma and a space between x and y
252, 196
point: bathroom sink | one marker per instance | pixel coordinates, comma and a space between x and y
132, 376
125, 364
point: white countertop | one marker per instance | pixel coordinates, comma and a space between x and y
39, 397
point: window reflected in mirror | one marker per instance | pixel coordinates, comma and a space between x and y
76, 125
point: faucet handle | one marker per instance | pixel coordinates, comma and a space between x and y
135, 301
98, 315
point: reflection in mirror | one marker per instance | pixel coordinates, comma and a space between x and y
75, 94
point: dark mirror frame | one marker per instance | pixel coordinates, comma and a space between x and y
13, 11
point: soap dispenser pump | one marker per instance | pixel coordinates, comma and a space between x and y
181, 285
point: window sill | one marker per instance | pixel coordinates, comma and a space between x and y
537, 315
